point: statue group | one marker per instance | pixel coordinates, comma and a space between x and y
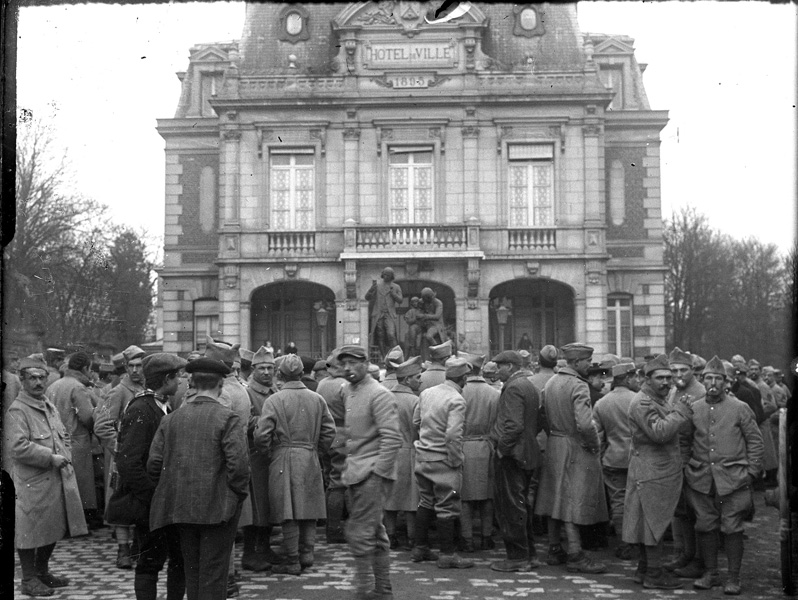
424, 318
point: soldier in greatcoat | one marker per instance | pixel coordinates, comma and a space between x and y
654, 481
770, 407
257, 555
372, 441
403, 491
571, 491
295, 427
686, 562
107, 420
724, 450
478, 477
331, 389
439, 416
392, 360
72, 396
48, 505
611, 415
516, 462
436, 372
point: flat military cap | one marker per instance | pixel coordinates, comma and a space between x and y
623, 368
715, 365
457, 367
221, 351
352, 351
262, 356
768, 369
731, 370
246, 355
658, 363
508, 356
31, 363
680, 357
118, 360
395, 356
475, 360
161, 362
576, 350
319, 365
548, 355
291, 365
443, 350
410, 367
207, 365
490, 367
132, 352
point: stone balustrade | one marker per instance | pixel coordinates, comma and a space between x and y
523, 240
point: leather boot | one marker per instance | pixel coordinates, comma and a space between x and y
335, 514
123, 559
253, 559
382, 575
146, 586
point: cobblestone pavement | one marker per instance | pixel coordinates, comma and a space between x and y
89, 562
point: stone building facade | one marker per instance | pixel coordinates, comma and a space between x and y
502, 158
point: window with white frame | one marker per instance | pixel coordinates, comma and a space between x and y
292, 190
531, 179
619, 325
612, 77
410, 177
210, 86
206, 321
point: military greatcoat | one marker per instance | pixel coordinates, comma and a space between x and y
482, 402
295, 427
234, 396
654, 483
73, 399
258, 459
48, 503
571, 484
403, 491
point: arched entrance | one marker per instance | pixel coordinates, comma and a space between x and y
294, 311
541, 308
411, 288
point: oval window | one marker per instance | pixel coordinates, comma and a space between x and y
529, 19
293, 23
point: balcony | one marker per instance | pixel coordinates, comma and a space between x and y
521, 241
411, 241
291, 243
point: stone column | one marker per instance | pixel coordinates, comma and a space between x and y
470, 170
352, 171
230, 159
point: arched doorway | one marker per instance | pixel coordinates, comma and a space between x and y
411, 288
541, 308
294, 311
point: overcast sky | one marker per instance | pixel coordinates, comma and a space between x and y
726, 71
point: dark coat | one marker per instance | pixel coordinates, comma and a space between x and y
200, 462
516, 425
482, 403
258, 459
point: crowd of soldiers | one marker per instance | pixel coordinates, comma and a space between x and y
179, 456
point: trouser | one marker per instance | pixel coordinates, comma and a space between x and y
299, 539
155, 547
35, 561
571, 534
336, 509
515, 490
483, 508
615, 483
206, 556
365, 531
439, 487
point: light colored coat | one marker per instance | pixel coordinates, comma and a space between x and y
571, 484
48, 503
654, 482
234, 396
482, 402
611, 415
439, 417
73, 399
435, 375
403, 491
295, 427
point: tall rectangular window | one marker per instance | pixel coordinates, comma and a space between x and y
531, 180
292, 189
210, 86
619, 325
410, 179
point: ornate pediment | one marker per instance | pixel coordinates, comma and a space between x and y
405, 15
613, 46
209, 54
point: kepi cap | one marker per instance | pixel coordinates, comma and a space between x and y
624, 368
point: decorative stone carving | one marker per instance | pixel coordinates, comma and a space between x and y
291, 269
532, 268
321, 135
528, 21
411, 269
294, 20
473, 282
470, 131
594, 271
230, 274
231, 135
350, 284
351, 133
592, 129
439, 133
381, 15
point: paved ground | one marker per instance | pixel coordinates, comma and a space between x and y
89, 562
